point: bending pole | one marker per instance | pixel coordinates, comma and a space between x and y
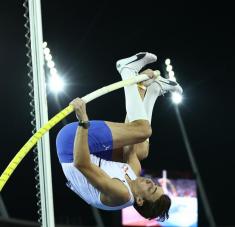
57, 118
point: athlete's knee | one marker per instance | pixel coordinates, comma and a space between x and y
142, 150
144, 129
143, 155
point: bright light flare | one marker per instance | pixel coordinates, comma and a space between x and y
176, 97
56, 84
53, 71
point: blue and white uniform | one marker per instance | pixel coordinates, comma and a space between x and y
100, 145
100, 141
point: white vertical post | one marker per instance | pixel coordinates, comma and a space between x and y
41, 113
3, 210
193, 163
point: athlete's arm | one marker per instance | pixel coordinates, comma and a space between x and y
130, 156
97, 177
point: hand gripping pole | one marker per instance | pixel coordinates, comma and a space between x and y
57, 118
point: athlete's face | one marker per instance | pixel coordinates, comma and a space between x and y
148, 189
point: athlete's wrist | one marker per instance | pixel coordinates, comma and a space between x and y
84, 124
82, 117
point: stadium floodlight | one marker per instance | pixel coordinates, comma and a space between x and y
169, 68
167, 61
50, 64
176, 97
46, 51
53, 71
44, 45
48, 57
56, 84
171, 74
172, 78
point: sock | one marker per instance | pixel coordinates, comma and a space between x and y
153, 91
134, 105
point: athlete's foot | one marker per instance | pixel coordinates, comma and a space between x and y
136, 62
168, 85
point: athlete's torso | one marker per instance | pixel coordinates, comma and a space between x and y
81, 186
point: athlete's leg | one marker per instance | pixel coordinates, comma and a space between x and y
130, 67
141, 149
129, 133
138, 129
153, 91
155, 88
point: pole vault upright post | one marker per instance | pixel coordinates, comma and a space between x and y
41, 112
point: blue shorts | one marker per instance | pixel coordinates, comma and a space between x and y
100, 141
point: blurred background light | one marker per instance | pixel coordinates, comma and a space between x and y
55, 83
169, 68
176, 97
167, 61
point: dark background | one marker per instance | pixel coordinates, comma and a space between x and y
86, 39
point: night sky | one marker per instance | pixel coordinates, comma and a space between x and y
86, 39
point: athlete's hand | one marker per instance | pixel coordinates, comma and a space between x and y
149, 73
80, 109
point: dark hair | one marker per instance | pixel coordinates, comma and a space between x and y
157, 209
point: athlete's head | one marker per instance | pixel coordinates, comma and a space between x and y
150, 200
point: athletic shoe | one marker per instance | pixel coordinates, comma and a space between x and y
136, 62
168, 85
